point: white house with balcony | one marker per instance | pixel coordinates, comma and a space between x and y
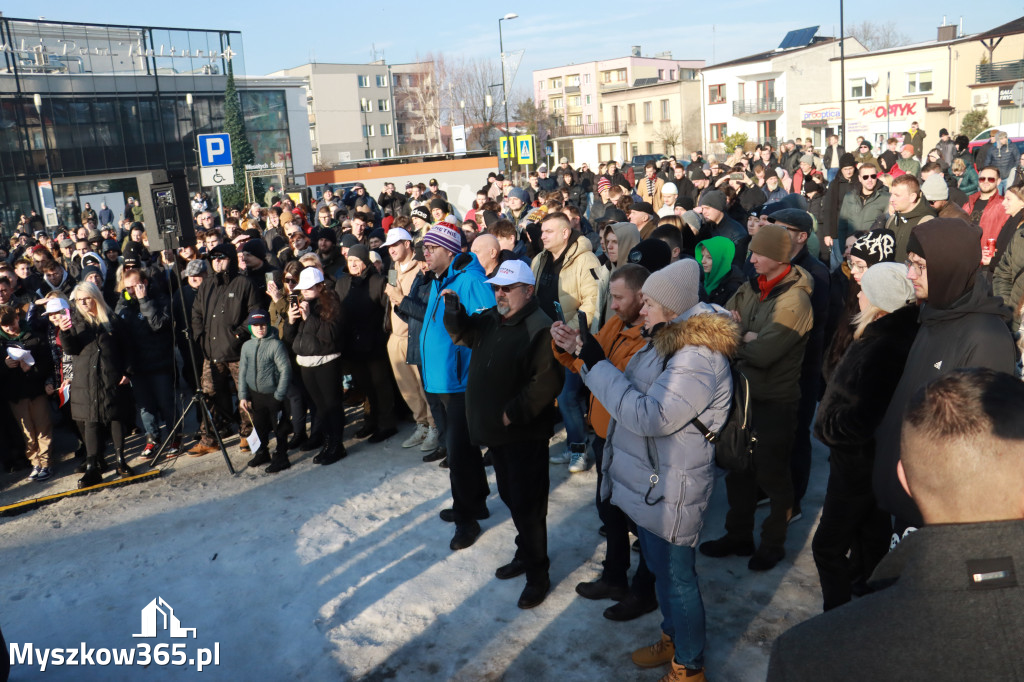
761, 94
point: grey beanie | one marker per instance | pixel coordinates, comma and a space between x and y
807, 158
675, 287
935, 188
886, 286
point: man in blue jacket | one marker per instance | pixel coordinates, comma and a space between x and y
446, 373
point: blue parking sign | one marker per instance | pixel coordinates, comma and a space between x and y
215, 150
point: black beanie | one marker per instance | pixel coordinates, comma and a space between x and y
653, 254
361, 252
847, 160
255, 247
329, 234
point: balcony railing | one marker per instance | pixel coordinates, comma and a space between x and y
1000, 71
757, 106
606, 128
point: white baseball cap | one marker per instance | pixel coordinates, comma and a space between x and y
309, 278
513, 271
56, 305
397, 234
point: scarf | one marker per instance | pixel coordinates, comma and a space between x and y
766, 285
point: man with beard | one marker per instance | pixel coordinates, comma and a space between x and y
334, 263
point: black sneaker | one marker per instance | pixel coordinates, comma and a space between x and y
766, 558
298, 442
448, 515
443, 463
630, 607
726, 546
262, 457
601, 589
436, 455
278, 464
534, 594
465, 535
366, 431
510, 570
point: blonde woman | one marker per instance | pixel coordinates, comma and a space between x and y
854, 404
99, 387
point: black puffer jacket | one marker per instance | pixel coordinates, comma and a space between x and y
413, 309
221, 308
315, 336
365, 304
859, 392
149, 340
100, 362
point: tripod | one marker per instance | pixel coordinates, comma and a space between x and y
198, 397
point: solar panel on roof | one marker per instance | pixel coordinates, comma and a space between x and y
798, 38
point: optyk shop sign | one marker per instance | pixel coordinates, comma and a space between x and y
894, 110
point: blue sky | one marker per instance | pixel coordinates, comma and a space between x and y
276, 35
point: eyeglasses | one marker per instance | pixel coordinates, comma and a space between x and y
857, 267
505, 288
914, 267
869, 177
430, 248
987, 179
82, 301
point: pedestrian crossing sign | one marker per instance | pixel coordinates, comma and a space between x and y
524, 149
504, 142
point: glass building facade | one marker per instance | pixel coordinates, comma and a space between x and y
88, 106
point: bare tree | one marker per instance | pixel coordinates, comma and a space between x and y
670, 136
877, 35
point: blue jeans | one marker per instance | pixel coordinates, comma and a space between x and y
831, 174
155, 395
675, 583
570, 404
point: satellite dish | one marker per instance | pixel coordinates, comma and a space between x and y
871, 79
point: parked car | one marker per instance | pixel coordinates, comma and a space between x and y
1014, 130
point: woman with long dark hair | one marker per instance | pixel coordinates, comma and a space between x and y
314, 331
99, 388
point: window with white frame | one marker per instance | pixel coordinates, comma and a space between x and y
540, 85
648, 112
556, 83
367, 131
859, 88
665, 110
588, 99
384, 104
573, 80
556, 104
382, 81
364, 81
574, 101
385, 128
387, 152
919, 82
364, 105
586, 78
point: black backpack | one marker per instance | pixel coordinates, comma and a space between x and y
735, 443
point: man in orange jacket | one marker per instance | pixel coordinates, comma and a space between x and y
620, 338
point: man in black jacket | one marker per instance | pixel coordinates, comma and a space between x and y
510, 407
221, 308
953, 600
962, 325
799, 225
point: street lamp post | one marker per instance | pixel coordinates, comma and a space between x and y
504, 87
195, 147
37, 100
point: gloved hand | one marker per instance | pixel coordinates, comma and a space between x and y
591, 353
451, 301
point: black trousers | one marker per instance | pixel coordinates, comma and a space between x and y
265, 422
617, 550
436, 411
465, 463
800, 462
850, 522
374, 377
296, 402
775, 424
95, 436
521, 471
323, 383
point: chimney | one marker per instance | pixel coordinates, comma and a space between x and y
947, 33
635, 50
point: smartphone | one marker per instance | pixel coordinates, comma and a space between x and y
67, 315
270, 277
393, 277
293, 300
581, 319
558, 311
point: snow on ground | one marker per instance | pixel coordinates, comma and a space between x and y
344, 573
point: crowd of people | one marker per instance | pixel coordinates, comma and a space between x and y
838, 285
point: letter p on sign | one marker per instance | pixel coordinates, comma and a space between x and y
215, 150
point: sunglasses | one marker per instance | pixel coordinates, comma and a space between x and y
505, 288
869, 177
295, 235
218, 256
988, 179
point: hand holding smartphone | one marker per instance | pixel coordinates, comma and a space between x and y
558, 311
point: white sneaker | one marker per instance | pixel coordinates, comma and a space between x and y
430, 443
417, 436
560, 457
44, 474
35, 473
578, 462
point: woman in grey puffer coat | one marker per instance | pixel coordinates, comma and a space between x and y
658, 467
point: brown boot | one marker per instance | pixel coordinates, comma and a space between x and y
657, 654
199, 450
679, 674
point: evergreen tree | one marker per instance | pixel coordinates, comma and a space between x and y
241, 150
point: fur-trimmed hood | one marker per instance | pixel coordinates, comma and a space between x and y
705, 327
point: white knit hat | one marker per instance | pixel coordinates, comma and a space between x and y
886, 286
675, 287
